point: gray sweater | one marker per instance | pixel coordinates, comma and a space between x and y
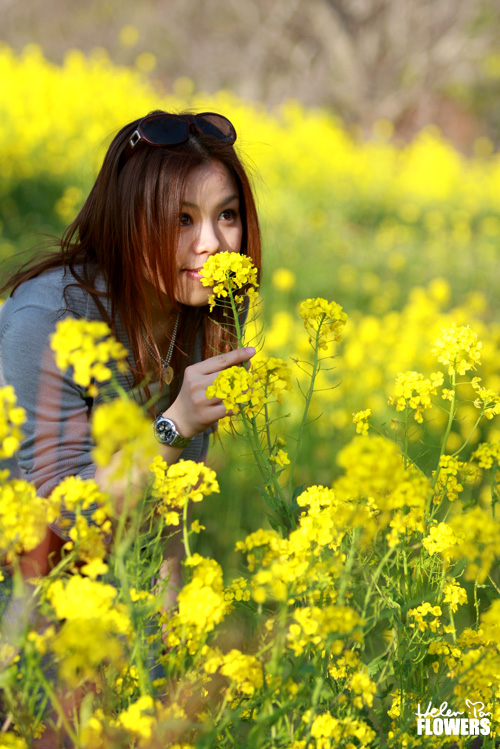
57, 440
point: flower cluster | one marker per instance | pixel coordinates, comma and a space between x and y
201, 604
90, 531
479, 535
238, 388
88, 347
274, 375
323, 320
413, 390
244, 671
487, 454
488, 401
441, 539
92, 629
315, 627
419, 613
328, 731
229, 272
458, 348
12, 417
454, 595
175, 485
23, 516
447, 482
361, 418
123, 437
374, 468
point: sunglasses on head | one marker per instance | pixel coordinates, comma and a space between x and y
173, 129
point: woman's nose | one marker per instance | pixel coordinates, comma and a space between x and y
208, 239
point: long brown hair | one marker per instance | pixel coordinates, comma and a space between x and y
130, 220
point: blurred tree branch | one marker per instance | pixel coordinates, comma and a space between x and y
366, 59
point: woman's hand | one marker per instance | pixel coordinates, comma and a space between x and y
192, 412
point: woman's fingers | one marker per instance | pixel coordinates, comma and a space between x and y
217, 363
192, 412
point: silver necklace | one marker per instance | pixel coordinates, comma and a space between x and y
167, 373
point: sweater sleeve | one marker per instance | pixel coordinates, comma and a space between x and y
57, 441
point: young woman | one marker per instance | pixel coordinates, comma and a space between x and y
171, 192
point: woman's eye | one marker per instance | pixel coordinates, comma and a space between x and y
228, 215
185, 219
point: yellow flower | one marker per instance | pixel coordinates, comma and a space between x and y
458, 348
244, 671
422, 611
361, 684
374, 467
274, 374
227, 272
487, 401
454, 595
23, 516
447, 482
440, 540
283, 279
182, 481
11, 418
12, 741
361, 420
93, 629
196, 526
323, 320
76, 493
238, 590
81, 598
413, 390
312, 626
281, 459
238, 387
120, 425
486, 454
201, 604
139, 718
479, 534
88, 347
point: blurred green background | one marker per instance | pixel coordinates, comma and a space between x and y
371, 132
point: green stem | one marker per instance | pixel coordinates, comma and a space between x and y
405, 450
314, 374
457, 452
374, 579
451, 417
185, 535
253, 435
58, 708
136, 655
239, 333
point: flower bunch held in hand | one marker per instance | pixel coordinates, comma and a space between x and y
230, 275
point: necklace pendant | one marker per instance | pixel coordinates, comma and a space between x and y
167, 374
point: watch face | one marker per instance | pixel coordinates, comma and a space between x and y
165, 431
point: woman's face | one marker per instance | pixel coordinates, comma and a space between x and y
210, 222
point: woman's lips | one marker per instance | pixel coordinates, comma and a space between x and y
193, 273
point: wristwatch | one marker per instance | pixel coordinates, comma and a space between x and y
166, 432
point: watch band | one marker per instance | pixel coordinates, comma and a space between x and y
166, 432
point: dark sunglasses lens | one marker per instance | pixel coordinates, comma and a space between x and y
217, 126
165, 130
